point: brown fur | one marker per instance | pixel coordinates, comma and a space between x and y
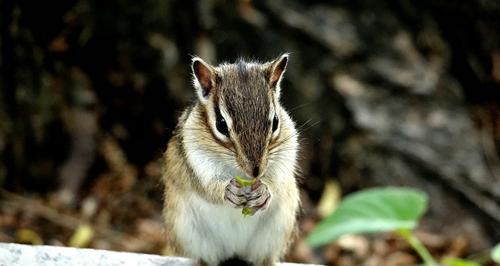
246, 92
246, 95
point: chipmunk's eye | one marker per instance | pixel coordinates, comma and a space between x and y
275, 122
220, 123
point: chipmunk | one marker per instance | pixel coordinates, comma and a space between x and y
235, 127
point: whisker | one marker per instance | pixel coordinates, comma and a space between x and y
213, 148
299, 130
299, 106
210, 142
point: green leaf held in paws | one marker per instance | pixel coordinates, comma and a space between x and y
246, 183
247, 211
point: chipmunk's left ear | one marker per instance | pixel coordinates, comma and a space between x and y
275, 71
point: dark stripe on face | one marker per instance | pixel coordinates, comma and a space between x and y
206, 122
248, 107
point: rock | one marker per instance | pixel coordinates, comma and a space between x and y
24, 255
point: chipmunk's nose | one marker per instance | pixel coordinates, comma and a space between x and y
255, 171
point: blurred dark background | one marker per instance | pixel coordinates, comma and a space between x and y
384, 93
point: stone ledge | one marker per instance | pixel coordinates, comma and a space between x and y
26, 255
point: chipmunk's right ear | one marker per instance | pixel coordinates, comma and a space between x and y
204, 78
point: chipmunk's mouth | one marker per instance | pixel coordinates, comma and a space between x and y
251, 159
252, 170
256, 171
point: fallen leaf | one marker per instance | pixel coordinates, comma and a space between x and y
329, 199
82, 236
28, 236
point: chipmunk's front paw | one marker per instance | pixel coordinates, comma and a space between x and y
235, 195
259, 197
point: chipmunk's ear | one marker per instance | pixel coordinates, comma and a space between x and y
275, 71
204, 78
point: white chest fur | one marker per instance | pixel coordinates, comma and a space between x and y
217, 232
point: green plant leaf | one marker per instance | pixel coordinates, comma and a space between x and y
495, 253
458, 262
244, 182
370, 211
